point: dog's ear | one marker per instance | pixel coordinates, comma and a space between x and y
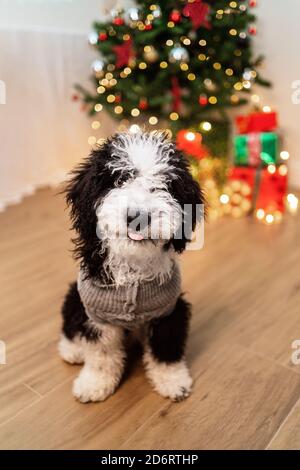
189, 195
87, 184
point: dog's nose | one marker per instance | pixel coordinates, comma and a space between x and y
139, 219
133, 215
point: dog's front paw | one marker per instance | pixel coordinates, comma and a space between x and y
169, 380
93, 385
177, 388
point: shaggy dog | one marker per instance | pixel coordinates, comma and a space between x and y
134, 206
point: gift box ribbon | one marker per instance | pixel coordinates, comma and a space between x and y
256, 148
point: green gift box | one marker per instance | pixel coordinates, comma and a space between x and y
256, 149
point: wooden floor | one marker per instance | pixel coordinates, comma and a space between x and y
245, 288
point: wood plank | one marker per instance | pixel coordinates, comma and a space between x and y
29, 322
257, 297
239, 401
14, 398
288, 436
68, 424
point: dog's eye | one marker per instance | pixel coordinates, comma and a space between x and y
123, 177
155, 190
120, 181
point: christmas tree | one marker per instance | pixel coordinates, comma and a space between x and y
177, 64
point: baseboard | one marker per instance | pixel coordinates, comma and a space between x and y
16, 197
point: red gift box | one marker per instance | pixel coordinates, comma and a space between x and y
272, 191
257, 122
268, 188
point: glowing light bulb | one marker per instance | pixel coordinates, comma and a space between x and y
266, 109
163, 65
98, 65
271, 169
111, 98
247, 84
224, 198
238, 86
284, 155
186, 41
206, 126
134, 128
135, 112
93, 38
270, 219
153, 120
190, 136
174, 116
127, 70
191, 76
283, 170
212, 100
293, 203
118, 110
260, 214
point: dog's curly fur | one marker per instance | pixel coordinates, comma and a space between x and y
146, 168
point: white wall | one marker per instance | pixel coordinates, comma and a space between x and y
44, 51
66, 15
279, 39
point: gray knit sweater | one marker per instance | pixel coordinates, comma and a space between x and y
131, 305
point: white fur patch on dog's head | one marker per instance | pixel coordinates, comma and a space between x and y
147, 154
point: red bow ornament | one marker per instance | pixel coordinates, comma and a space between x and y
198, 12
124, 52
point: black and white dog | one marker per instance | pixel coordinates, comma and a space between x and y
128, 202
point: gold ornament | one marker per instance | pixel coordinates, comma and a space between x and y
150, 54
235, 199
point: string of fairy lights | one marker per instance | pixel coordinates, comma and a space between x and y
108, 75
